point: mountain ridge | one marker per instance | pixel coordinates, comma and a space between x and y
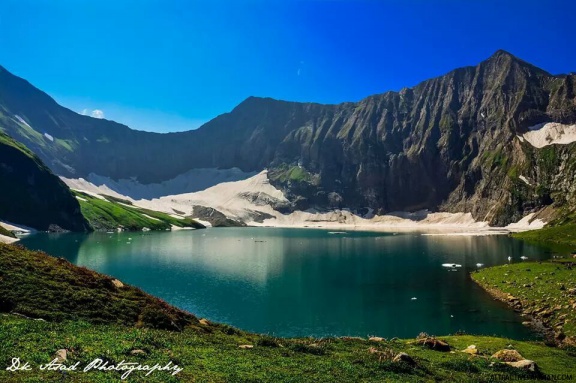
448, 143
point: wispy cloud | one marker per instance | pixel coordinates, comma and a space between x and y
96, 113
300, 67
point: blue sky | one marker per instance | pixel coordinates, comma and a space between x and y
171, 65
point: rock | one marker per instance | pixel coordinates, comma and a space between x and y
376, 339
472, 350
422, 335
403, 357
61, 355
204, 322
373, 350
546, 313
138, 352
117, 283
524, 364
559, 336
434, 344
246, 346
508, 356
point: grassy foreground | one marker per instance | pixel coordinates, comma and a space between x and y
93, 316
111, 213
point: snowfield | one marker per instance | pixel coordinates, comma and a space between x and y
550, 133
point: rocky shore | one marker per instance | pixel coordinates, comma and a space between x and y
543, 293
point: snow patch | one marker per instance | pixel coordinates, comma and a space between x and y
18, 229
21, 120
242, 201
526, 223
525, 180
152, 218
550, 133
192, 181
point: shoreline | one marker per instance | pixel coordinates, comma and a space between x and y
252, 200
516, 305
547, 317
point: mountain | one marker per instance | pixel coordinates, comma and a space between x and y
454, 143
32, 195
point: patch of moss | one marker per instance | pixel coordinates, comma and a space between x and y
285, 173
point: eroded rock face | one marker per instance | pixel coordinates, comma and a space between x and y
215, 217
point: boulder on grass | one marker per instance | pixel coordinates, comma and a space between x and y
508, 356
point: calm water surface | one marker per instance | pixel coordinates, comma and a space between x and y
300, 282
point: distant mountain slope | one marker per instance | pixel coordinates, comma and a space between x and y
449, 143
31, 195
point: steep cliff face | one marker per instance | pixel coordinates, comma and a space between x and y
31, 195
449, 143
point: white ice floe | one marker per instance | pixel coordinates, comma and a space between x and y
550, 133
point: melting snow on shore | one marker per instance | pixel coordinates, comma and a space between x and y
249, 200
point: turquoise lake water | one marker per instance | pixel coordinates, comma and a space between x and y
307, 282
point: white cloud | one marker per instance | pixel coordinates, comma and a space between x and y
96, 113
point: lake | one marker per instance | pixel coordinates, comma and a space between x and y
308, 282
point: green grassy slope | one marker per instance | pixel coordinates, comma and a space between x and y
545, 291
7, 233
561, 238
112, 213
92, 318
40, 286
